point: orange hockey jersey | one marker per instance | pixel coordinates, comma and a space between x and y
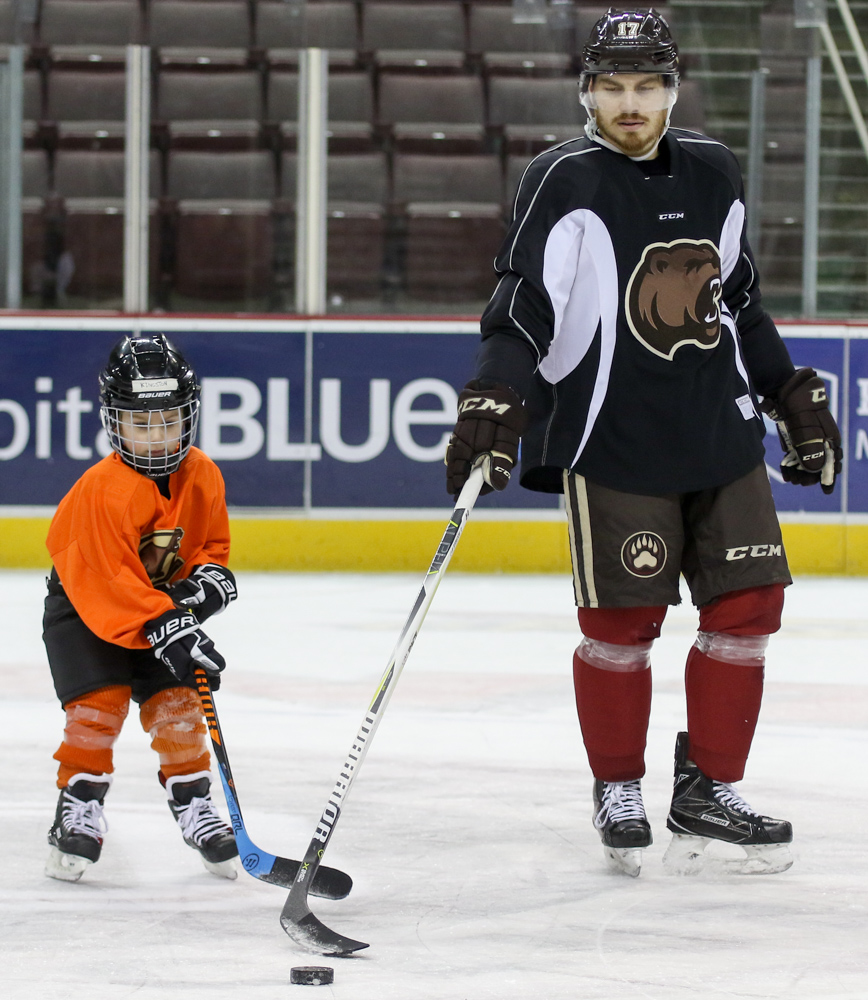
115, 538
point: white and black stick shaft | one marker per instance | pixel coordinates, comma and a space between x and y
296, 918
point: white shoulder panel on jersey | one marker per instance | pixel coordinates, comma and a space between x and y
730, 239
580, 274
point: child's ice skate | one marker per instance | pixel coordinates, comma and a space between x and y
79, 827
714, 829
202, 827
619, 817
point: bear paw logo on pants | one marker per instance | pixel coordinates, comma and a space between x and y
644, 554
673, 297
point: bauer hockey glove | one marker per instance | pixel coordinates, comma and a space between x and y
179, 642
807, 430
491, 419
207, 591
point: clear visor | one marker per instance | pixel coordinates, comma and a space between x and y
624, 93
153, 442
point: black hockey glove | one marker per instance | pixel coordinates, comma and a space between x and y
809, 435
206, 591
182, 646
491, 419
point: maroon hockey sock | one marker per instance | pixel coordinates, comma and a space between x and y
614, 707
723, 703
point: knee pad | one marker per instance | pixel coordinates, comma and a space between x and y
622, 626
749, 650
615, 656
752, 612
173, 718
93, 724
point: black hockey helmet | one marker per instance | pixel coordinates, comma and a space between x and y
635, 40
146, 374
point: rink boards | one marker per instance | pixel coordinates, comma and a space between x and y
330, 435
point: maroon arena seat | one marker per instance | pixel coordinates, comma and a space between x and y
203, 104
200, 32
535, 112
414, 35
224, 202
283, 28
87, 104
447, 203
89, 31
424, 111
505, 46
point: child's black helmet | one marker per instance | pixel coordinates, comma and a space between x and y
149, 398
147, 373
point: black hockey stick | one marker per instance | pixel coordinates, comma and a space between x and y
330, 883
296, 918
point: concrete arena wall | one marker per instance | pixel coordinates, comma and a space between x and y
830, 537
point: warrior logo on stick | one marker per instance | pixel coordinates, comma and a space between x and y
673, 297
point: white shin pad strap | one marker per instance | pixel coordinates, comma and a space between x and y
747, 649
615, 656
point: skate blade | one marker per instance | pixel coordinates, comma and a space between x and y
66, 867
224, 869
688, 855
623, 860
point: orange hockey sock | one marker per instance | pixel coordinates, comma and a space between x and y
176, 725
93, 724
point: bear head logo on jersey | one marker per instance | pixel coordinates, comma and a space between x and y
159, 554
673, 296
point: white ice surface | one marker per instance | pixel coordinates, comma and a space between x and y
478, 875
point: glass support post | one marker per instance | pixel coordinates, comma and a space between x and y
312, 192
811, 229
136, 165
755, 155
11, 100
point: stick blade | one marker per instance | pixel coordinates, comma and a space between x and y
329, 883
312, 934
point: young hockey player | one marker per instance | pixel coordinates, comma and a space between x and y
139, 546
626, 345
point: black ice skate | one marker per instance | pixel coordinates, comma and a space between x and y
619, 817
191, 805
79, 827
714, 828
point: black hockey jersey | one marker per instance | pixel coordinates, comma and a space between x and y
628, 317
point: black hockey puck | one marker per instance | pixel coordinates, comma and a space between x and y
312, 975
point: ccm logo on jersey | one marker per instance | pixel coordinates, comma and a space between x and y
754, 551
483, 403
664, 216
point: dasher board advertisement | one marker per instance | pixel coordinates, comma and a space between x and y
330, 414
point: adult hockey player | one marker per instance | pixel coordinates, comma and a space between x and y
140, 545
626, 345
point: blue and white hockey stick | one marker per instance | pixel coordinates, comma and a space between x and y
330, 882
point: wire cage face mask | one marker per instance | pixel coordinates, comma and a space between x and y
153, 442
